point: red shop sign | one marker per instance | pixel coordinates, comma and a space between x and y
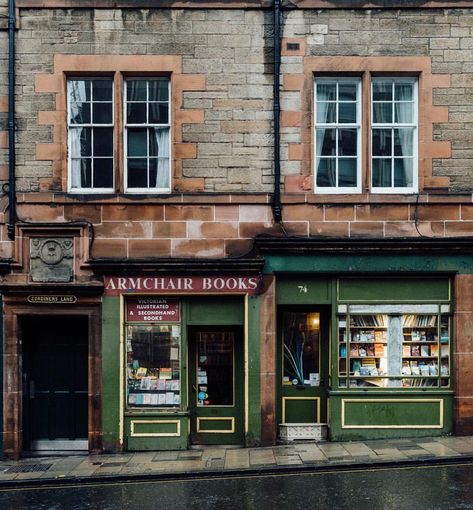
152, 309
116, 285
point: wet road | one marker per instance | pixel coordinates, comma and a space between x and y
420, 488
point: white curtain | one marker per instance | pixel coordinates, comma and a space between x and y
76, 161
162, 141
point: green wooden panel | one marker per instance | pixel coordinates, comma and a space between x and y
404, 412
300, 411
302, 290
394, 289
110, 372
253, 434
419, 416
150, 443
387, 264
216, 310
209, 424
155, 426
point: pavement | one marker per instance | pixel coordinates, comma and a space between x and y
208, 461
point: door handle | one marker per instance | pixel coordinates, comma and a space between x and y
32, 389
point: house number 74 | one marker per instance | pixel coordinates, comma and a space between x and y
302, 289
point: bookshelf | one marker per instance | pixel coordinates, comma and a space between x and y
394, 350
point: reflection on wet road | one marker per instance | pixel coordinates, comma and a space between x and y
420, 488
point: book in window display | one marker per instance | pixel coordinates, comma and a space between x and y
152, 368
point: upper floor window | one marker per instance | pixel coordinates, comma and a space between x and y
390, 128
394, 135
337, 135
147, 135
91, 127
94, 128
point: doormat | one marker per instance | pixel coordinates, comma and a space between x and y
28, 468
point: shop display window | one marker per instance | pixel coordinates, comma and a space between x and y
153, 365
395, 350
301, 342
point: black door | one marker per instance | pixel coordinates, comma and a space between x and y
55, 373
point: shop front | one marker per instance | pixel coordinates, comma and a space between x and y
179, 353
367, 343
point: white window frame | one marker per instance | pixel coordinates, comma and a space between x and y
145, 126
332, 190
393, 125
91, 190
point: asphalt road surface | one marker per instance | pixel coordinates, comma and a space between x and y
435, 487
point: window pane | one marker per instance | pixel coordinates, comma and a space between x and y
403, 142
382, 90
136, 113
382, 113
102, 113
81, 173
79, 90
403, 173
301, 338
103, 141
137, 141
381, 173
403, 91
382, 142
162, 175
158, 90
347, 142
347, 113
86, 142
326, 113
326, 174
158, 113
326, 140
347, 91
136, 90
79, 113
153, 375
403, 113
102, 90
103, 172
326, 91
137, 173
347, 172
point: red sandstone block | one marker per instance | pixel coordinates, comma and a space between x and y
122, 229
48, 151
189, 212
329, 229
169, 229
339, 213
293, 81
190, 116
103, 248
3, 172
219, 230
89, 212
464, 296
3, 139
459, 228
367, 229
120, 212
189, 82
297, 228
291, 119
301, 41
145, 248
50, 117
381, 212
185, 150
436, 212
237, 247
303, 212
230, 212
41, 212
3, 104
48, 83
408, 229
297, 183
188, 185
466, 212
213, 248
255, 228
295, 151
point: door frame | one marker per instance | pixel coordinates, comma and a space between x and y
14, 312
324, 359
239, 373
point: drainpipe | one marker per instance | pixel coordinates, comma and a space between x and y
11, 120
277, 209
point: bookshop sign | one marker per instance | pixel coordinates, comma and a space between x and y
152, 309
116, 285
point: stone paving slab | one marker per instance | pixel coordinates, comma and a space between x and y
220, 459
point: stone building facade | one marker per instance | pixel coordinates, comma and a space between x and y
336, 252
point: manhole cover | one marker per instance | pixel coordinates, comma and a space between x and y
28, 468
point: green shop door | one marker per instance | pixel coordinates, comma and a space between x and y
303, 353
216, 385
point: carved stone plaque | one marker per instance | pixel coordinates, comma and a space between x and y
51, 259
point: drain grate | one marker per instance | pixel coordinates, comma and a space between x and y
28, 468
